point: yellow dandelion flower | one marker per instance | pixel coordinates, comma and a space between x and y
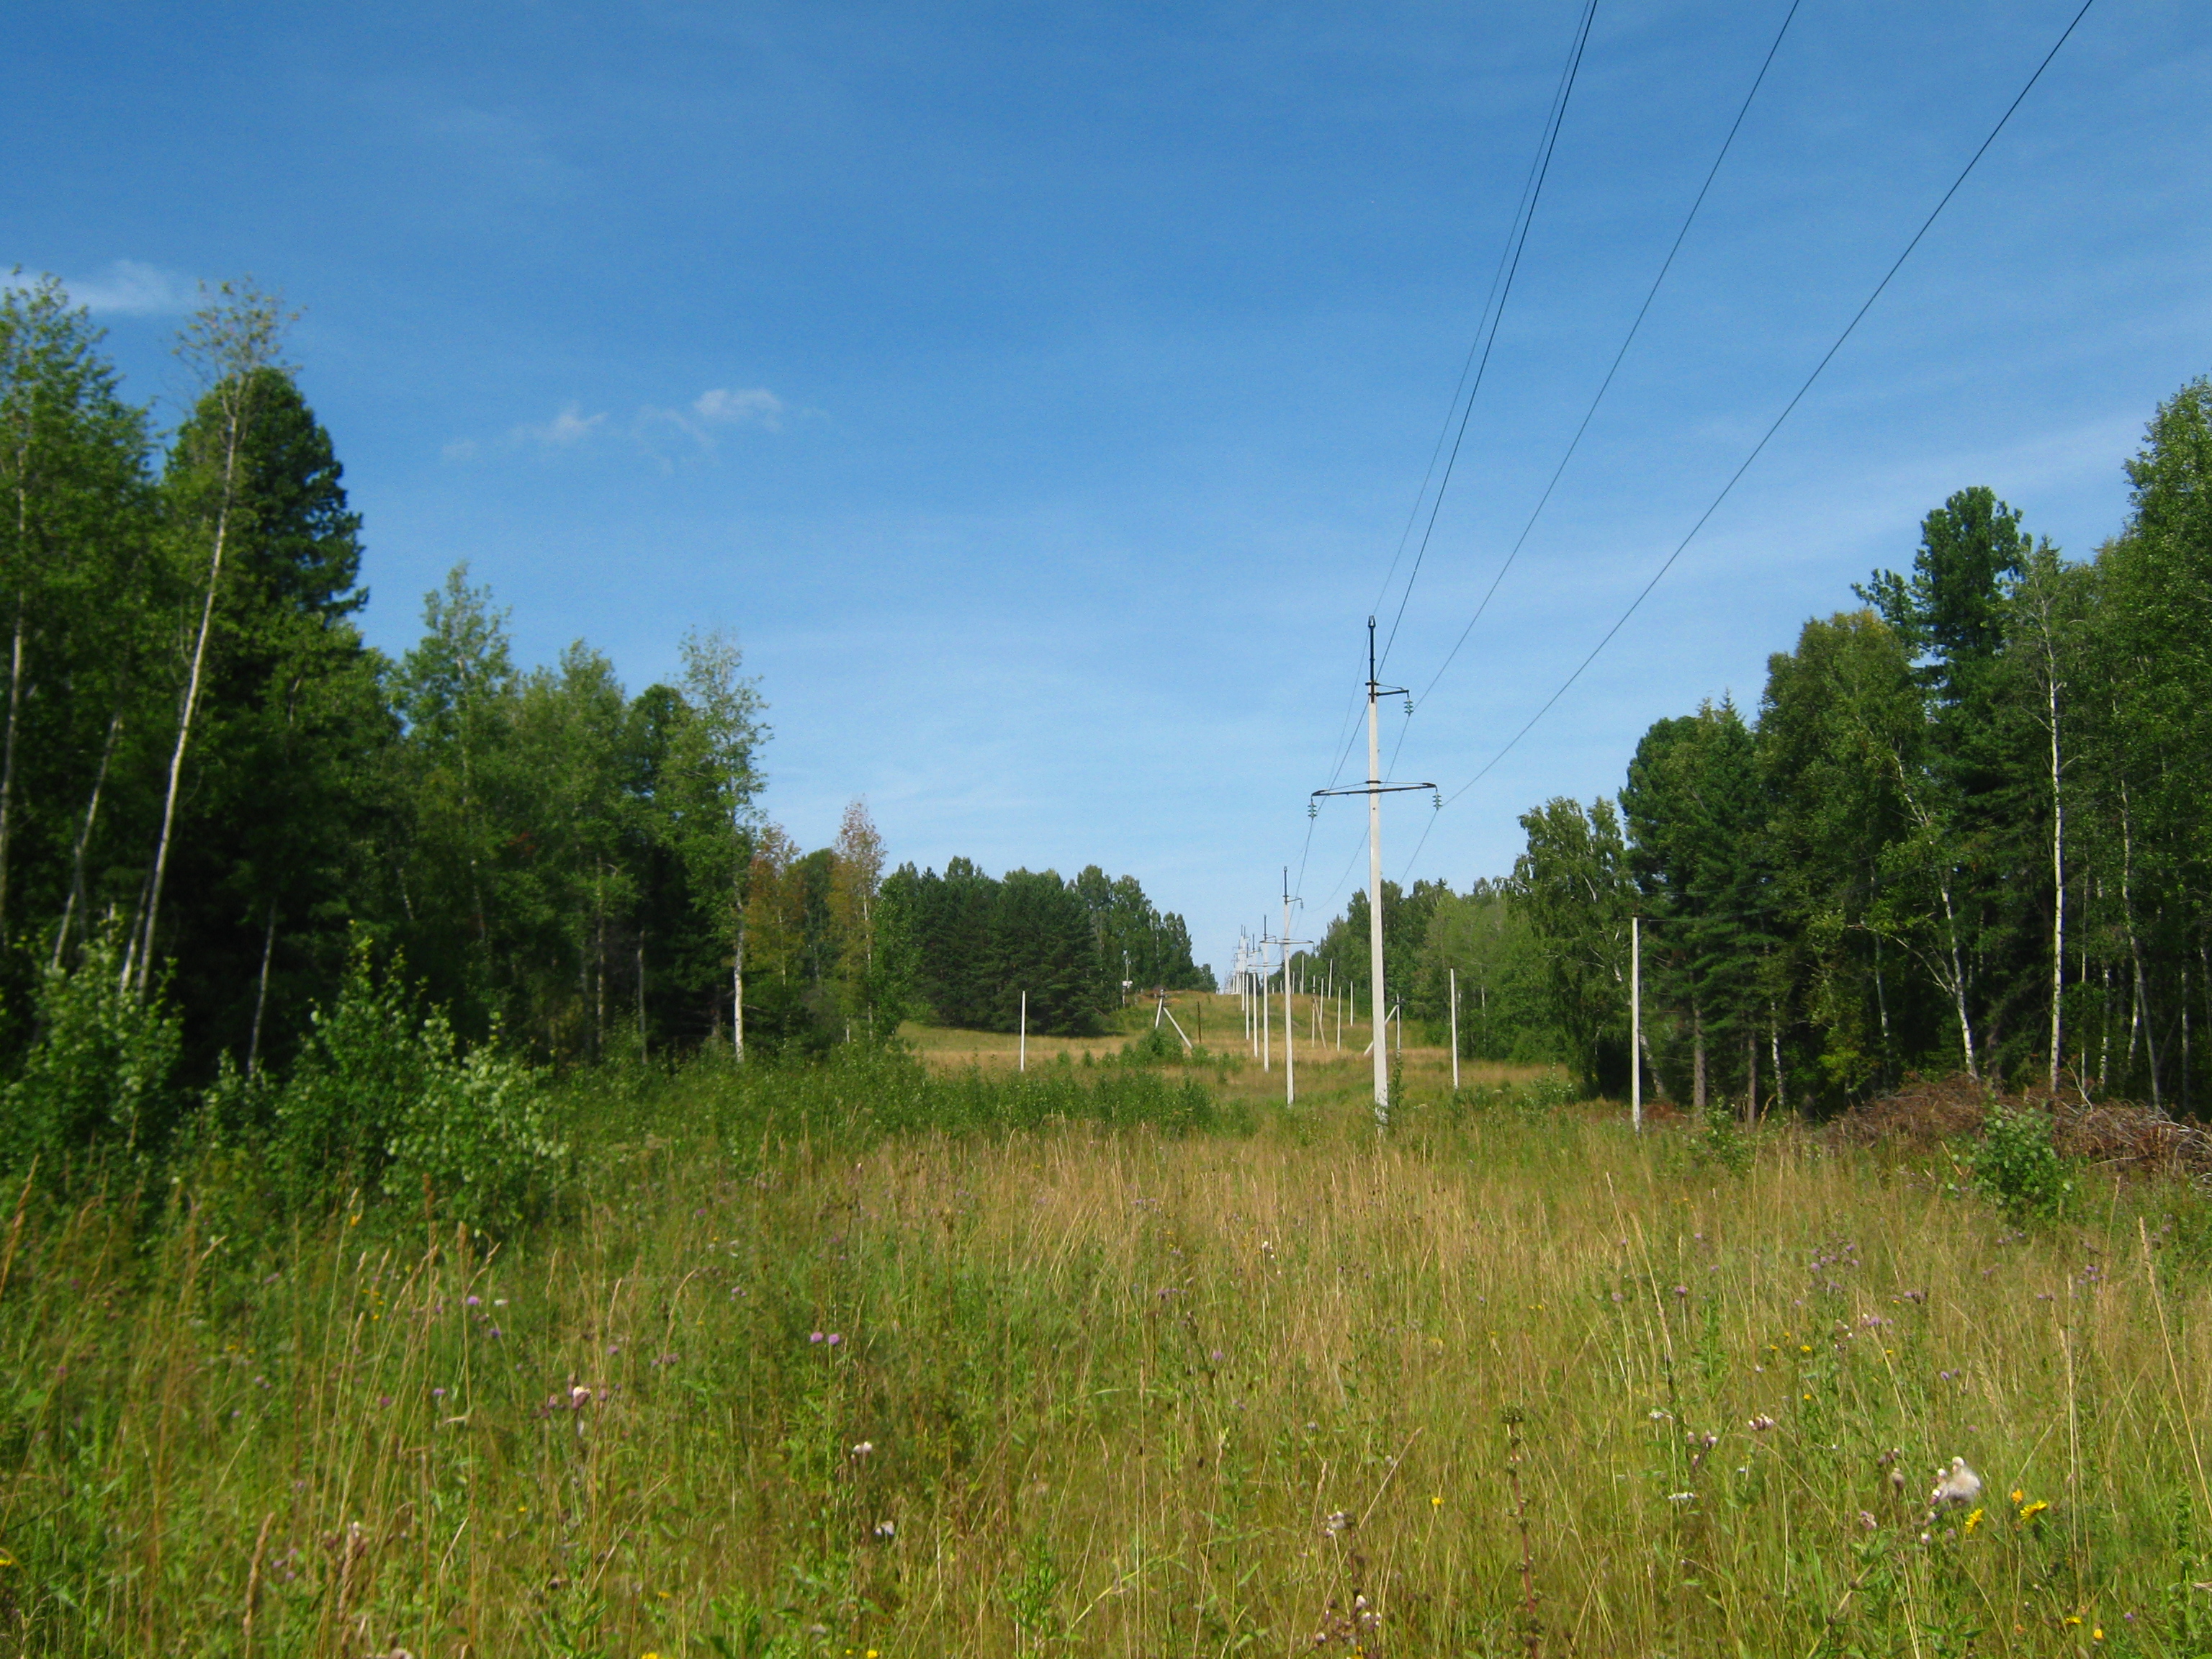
2018, 1496
1437, 1501
2097, 1634
2029, 1511
1973, 1519
1809, 1396
1804, 1347
2073, 1618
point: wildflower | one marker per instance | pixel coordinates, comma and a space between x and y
2018, 1496
1804, 1347
1436, 1500
1762, 1424
2073, 1618
6, 1559
1681, 1497
2097, 1633
1867, 1520
2029, 1511
1658, 1416
1957, 1485
817, 1337
1973, 1520
886, 1528
383, 1399
1681, 1290
863, 1448
834, 1339
472, 1301
1337, 1523
437, 1393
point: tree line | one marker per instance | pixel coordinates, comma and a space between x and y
978, 950
209, 775
222, 812
1965, 829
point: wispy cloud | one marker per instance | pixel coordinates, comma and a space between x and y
564, 431
754, 405
128, 287
694, 427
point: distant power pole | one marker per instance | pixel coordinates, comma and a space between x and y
1455, 1027
1375, 789
1021, 1060
1289, 1016
1636, 1021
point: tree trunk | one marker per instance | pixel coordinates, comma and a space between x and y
2141, 1018
84, 837
8, 751
1658, 1082
261, 995
232, 434
1774, 1043
1958, 986
1697, 1057
1751, 1077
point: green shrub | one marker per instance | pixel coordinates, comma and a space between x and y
97, 1074
383, 1095
2016, 1165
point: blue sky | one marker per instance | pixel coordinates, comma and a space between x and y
1038, 392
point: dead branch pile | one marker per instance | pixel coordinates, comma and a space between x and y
1928, 1113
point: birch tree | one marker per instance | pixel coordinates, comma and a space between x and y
233, 345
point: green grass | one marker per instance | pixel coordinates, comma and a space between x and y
1136, 1372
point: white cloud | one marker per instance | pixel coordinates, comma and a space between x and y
564, 431
131, 287
754, 403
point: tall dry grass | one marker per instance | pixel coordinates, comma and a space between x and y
1119, 1393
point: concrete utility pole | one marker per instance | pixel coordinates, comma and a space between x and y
1636, 1021
1022, 1061
1454, 972
1375, 789
1290, 1008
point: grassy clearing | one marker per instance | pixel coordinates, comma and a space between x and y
1190, 1383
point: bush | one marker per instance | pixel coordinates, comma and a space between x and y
2017, 1164
383, 1093
97, 1074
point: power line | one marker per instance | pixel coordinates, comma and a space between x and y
1527, 219
1604, 385
1522, 207
1776, 424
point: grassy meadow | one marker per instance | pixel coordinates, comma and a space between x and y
881, 1359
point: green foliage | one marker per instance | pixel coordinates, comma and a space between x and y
384, 1098
1573, 886
980, 944
97, 1076
2016, 1165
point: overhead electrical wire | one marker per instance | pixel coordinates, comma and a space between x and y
1774, 426
1558, 120
1627, 340
1485, 335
